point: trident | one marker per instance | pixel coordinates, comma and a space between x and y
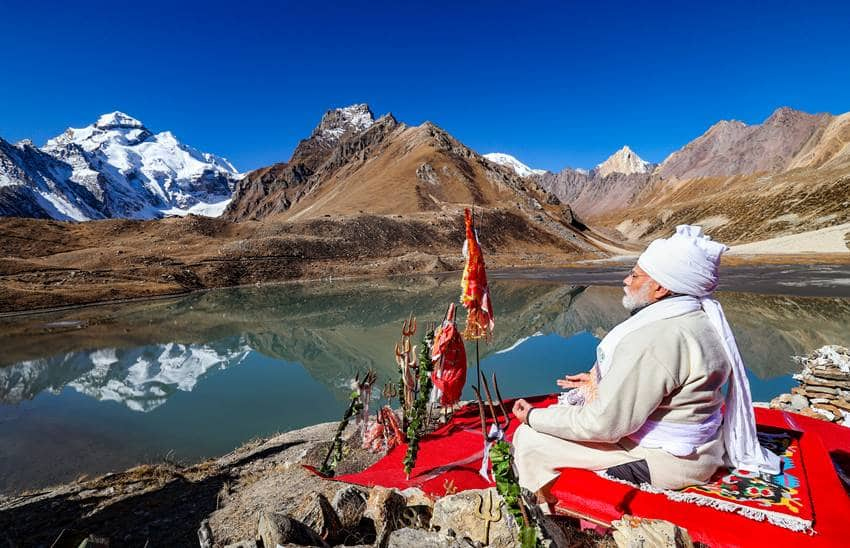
489, 515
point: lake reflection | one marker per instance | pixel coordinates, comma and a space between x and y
104, 388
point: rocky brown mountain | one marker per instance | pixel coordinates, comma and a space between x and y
743, 183
273, 189
383, 167
611, 185
733, 148
358, 197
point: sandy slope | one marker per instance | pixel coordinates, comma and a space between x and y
826, 240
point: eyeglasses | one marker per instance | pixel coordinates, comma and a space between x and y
633, 274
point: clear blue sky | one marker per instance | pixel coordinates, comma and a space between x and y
554, 83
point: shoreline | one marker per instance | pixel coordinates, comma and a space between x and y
171, 501
166, 503
606, 271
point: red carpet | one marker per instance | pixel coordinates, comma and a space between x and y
822, 496
453, 454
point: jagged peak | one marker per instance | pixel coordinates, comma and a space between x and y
783, 115
624, 161
338, 121
118, 119
387, 118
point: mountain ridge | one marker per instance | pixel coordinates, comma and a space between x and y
115, 167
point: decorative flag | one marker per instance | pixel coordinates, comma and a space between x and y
475, 295
449, 359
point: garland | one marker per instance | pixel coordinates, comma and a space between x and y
334, 455
417, 421
508, 487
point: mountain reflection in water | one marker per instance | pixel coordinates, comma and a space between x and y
93, 390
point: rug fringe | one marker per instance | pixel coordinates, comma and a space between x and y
780, 520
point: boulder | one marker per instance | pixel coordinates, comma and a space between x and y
243, 544
798, 402
480, 515
318, 514
275, 528
408, 537
385, 508
634, 532
417, 497
417, 516
350, 503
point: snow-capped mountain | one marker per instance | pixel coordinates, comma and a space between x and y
115, 167
140, 378
509, 161
623, 161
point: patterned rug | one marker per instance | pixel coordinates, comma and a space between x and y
781, 499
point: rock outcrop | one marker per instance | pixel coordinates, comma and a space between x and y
824, 390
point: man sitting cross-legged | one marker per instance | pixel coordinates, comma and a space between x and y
655, 413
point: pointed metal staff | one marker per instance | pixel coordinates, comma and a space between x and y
500, 425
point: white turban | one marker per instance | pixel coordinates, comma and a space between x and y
687, 263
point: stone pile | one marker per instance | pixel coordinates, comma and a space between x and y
824, 390
388, 518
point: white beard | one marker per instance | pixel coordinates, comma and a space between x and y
633, 301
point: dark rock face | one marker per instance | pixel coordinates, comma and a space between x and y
20, 201
267, 191
336, 126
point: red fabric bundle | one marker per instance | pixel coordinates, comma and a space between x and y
449, 358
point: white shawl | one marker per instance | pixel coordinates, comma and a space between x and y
687, 264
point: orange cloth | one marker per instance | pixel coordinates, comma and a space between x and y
475, 295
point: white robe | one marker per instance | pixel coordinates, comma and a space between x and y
672, 369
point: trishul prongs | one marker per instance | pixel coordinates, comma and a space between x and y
369, 379
408, 328
389, 391
503, 422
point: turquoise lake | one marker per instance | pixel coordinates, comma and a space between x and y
100, 389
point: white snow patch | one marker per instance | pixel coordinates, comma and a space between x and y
517, 343
201, 208
509, 161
